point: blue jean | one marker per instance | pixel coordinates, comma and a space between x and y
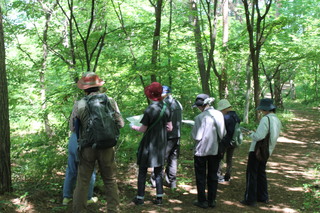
72, 170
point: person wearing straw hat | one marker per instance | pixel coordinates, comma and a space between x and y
207, 131
230, 120
256, 178
88, 155
156, 121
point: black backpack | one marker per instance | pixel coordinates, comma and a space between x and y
102, 131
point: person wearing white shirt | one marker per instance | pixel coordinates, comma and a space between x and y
208, 129
256, 178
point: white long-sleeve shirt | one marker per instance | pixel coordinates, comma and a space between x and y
208, 126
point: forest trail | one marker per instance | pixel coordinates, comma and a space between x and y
297, 150
288, 170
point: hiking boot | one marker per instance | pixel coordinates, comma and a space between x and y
92, 200
227, 177
264, 201
138, 201
203, 204
66, 201
157, 201
212, 204
244, 202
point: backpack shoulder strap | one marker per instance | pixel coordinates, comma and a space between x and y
158, 119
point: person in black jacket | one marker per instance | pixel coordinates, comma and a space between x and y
156, 122
230, 119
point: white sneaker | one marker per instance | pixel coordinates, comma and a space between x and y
92, 200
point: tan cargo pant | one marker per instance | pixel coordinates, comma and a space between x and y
107, 167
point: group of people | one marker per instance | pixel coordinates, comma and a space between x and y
160, 147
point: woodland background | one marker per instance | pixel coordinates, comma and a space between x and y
236, 49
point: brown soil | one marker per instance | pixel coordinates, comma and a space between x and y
288, 169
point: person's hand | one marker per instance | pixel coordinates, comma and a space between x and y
132, 126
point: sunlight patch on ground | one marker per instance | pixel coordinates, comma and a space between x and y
185, 187
301, 119
177, 208
287, 140
279, 209
175, 201
24, 206
295, 189
193, 191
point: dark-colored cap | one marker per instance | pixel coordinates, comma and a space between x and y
266, 104
200, 100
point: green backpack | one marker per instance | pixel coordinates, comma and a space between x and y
102, 131
237, 137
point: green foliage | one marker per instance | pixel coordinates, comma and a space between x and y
37, 156
292, 45
312, 193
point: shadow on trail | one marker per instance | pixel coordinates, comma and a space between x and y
288, 169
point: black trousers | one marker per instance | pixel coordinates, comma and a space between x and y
206, 168
142, 176
256, 180
172, 155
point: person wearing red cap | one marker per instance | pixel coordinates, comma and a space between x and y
88, 155
156, 121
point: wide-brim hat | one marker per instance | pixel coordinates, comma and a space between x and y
154, 91
223, 104
266, 104
88, 80
200, 100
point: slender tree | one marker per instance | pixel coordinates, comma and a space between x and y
223, 86
204, 75
45, 51
256, 27
156, 36
5, 165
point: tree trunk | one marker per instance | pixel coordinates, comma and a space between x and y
256, 30
223, 90
169, 43
5, 165
248, 93
156, 38
278, 89
45, 51
198, 46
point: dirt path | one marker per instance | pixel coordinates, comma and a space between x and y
288, 169
297, 150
